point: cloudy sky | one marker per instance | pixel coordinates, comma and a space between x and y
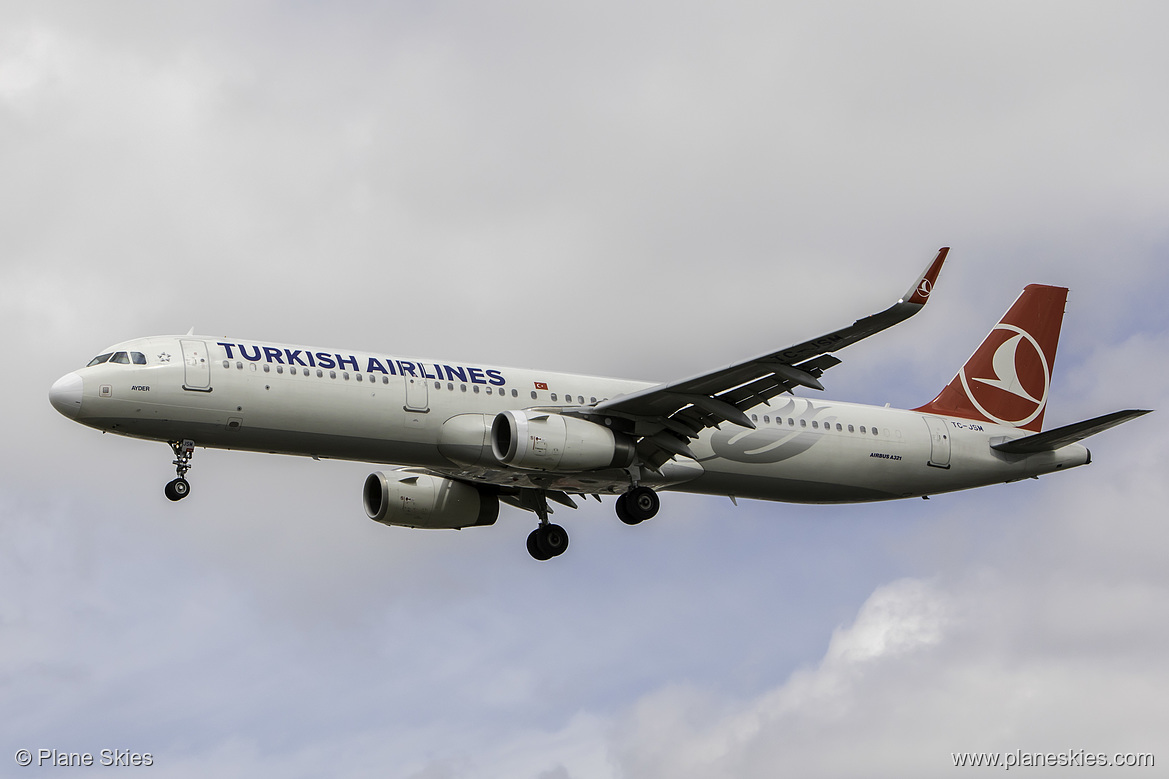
644, 190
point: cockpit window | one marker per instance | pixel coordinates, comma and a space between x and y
121, 358
100, 359
138, 358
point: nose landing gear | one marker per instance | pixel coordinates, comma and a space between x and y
180, 488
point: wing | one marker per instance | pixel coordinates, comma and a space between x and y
667, 416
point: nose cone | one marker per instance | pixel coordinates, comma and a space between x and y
65, 394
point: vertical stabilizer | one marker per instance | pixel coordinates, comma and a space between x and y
1007, 379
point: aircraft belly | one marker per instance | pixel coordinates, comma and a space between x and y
788, 490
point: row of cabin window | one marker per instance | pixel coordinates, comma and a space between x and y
386, 380
320, 373
514, 393
791, 422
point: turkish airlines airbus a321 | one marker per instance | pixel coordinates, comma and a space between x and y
467, 437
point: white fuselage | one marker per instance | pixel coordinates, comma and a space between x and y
236, 394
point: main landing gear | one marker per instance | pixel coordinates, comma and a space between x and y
180, 487
548, 540
637, 505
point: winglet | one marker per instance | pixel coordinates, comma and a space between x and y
919, 293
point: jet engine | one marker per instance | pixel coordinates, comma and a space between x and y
542, 441
408, 498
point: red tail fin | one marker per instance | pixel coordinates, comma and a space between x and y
1007, 379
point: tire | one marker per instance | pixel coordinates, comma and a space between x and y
623, 510
177, 489
534, 548
552, 540
642, 503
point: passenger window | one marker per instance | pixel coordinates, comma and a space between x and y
100, 359
874, 431
226, 364
553, 396
345, 375
332, 374
754, 418
239, 366
803, 423
815, 425
320, 373
766, 419
850, 429
252, 365
534, 396
121, 358
862, 429
489, 390
839, 428
450, 387
476, 389
591, 400
791, 422
267, 368
580, 399
462, 388
385, 379
515, 394
279, 368
138, 357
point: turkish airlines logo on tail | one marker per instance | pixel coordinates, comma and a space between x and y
1009, 387
925, 288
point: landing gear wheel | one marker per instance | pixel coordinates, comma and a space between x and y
547, 541
623, 510
641, 503
178, 489
534, 546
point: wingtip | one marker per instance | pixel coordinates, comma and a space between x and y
919, 293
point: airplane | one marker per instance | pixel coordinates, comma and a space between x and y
464, 438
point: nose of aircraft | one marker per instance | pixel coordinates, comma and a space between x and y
65, 394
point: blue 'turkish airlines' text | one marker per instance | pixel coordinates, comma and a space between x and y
386, 365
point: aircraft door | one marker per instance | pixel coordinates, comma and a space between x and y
417, 394
197, 365
939, 442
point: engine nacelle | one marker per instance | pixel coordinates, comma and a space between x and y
541, 441
412, 499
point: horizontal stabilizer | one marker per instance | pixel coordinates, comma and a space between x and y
1068, 434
